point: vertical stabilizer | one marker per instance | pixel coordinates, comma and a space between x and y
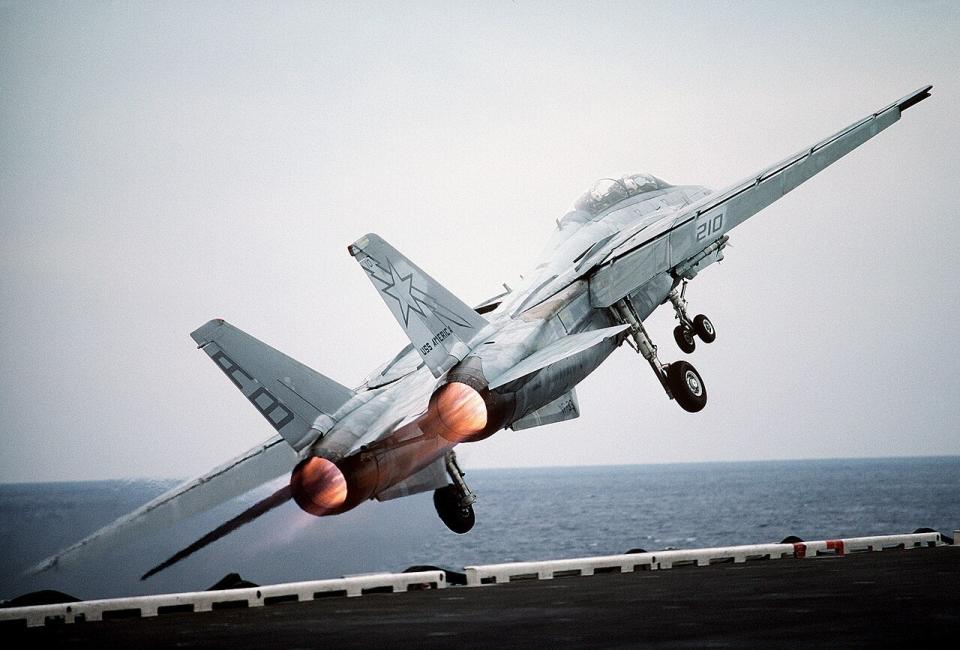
437, 322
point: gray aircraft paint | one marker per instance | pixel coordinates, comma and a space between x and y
637, 248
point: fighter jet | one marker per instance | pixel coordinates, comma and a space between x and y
629, 245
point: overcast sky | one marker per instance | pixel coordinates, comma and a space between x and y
165, 163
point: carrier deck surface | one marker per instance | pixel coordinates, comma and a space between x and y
840, 598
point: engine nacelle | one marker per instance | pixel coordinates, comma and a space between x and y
458, 412
322, 487
318, 486
463, 409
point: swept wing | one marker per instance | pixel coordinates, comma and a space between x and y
744, 199
303, 405
636, 256
249, 470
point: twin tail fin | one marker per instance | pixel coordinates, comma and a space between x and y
439, 324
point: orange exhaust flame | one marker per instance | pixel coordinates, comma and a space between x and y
460, 410
318, 486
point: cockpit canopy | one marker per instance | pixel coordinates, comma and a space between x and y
608, 191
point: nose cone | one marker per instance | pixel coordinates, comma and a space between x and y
461, 411
318, 486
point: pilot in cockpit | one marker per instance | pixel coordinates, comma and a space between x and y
608, 191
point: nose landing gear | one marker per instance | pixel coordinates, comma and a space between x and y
684, 332
454, 502
684, 336
704, 328
680, 380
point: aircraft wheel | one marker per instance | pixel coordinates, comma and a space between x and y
684, 338
704, 329
687, 386
457, 518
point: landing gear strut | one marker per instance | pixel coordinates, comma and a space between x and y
685, 331
454, 502
680, 380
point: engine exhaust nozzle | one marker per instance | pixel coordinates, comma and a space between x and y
459, 411
318, 486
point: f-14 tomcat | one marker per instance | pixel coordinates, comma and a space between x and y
629, 245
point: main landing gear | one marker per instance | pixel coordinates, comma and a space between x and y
685, 332
454, 502
680, 380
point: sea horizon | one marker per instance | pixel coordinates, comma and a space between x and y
548, 467
522, 514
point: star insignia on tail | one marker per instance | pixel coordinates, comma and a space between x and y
400, 288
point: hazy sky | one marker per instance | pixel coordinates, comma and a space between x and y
165, 163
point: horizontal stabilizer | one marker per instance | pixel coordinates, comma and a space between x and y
296, 400
556, 351
439, 324
249, 470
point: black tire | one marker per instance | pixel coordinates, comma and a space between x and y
684, 339
457, 518
687, 386
947, 540
704, 329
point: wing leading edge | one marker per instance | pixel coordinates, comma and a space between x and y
742, 200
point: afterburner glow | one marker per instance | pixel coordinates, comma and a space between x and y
318, 486
460, 410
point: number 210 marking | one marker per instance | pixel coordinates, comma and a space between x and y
710, 227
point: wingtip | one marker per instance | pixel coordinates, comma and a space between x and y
914, 98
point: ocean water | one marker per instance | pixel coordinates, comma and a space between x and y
522, 514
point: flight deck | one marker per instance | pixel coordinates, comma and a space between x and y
842, 592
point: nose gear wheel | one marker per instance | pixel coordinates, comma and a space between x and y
680, 380
684, 338
700, 325
704, 329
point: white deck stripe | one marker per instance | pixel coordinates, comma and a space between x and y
203, 601
145, 606
496, 573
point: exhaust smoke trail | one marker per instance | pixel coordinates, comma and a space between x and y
262, 507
